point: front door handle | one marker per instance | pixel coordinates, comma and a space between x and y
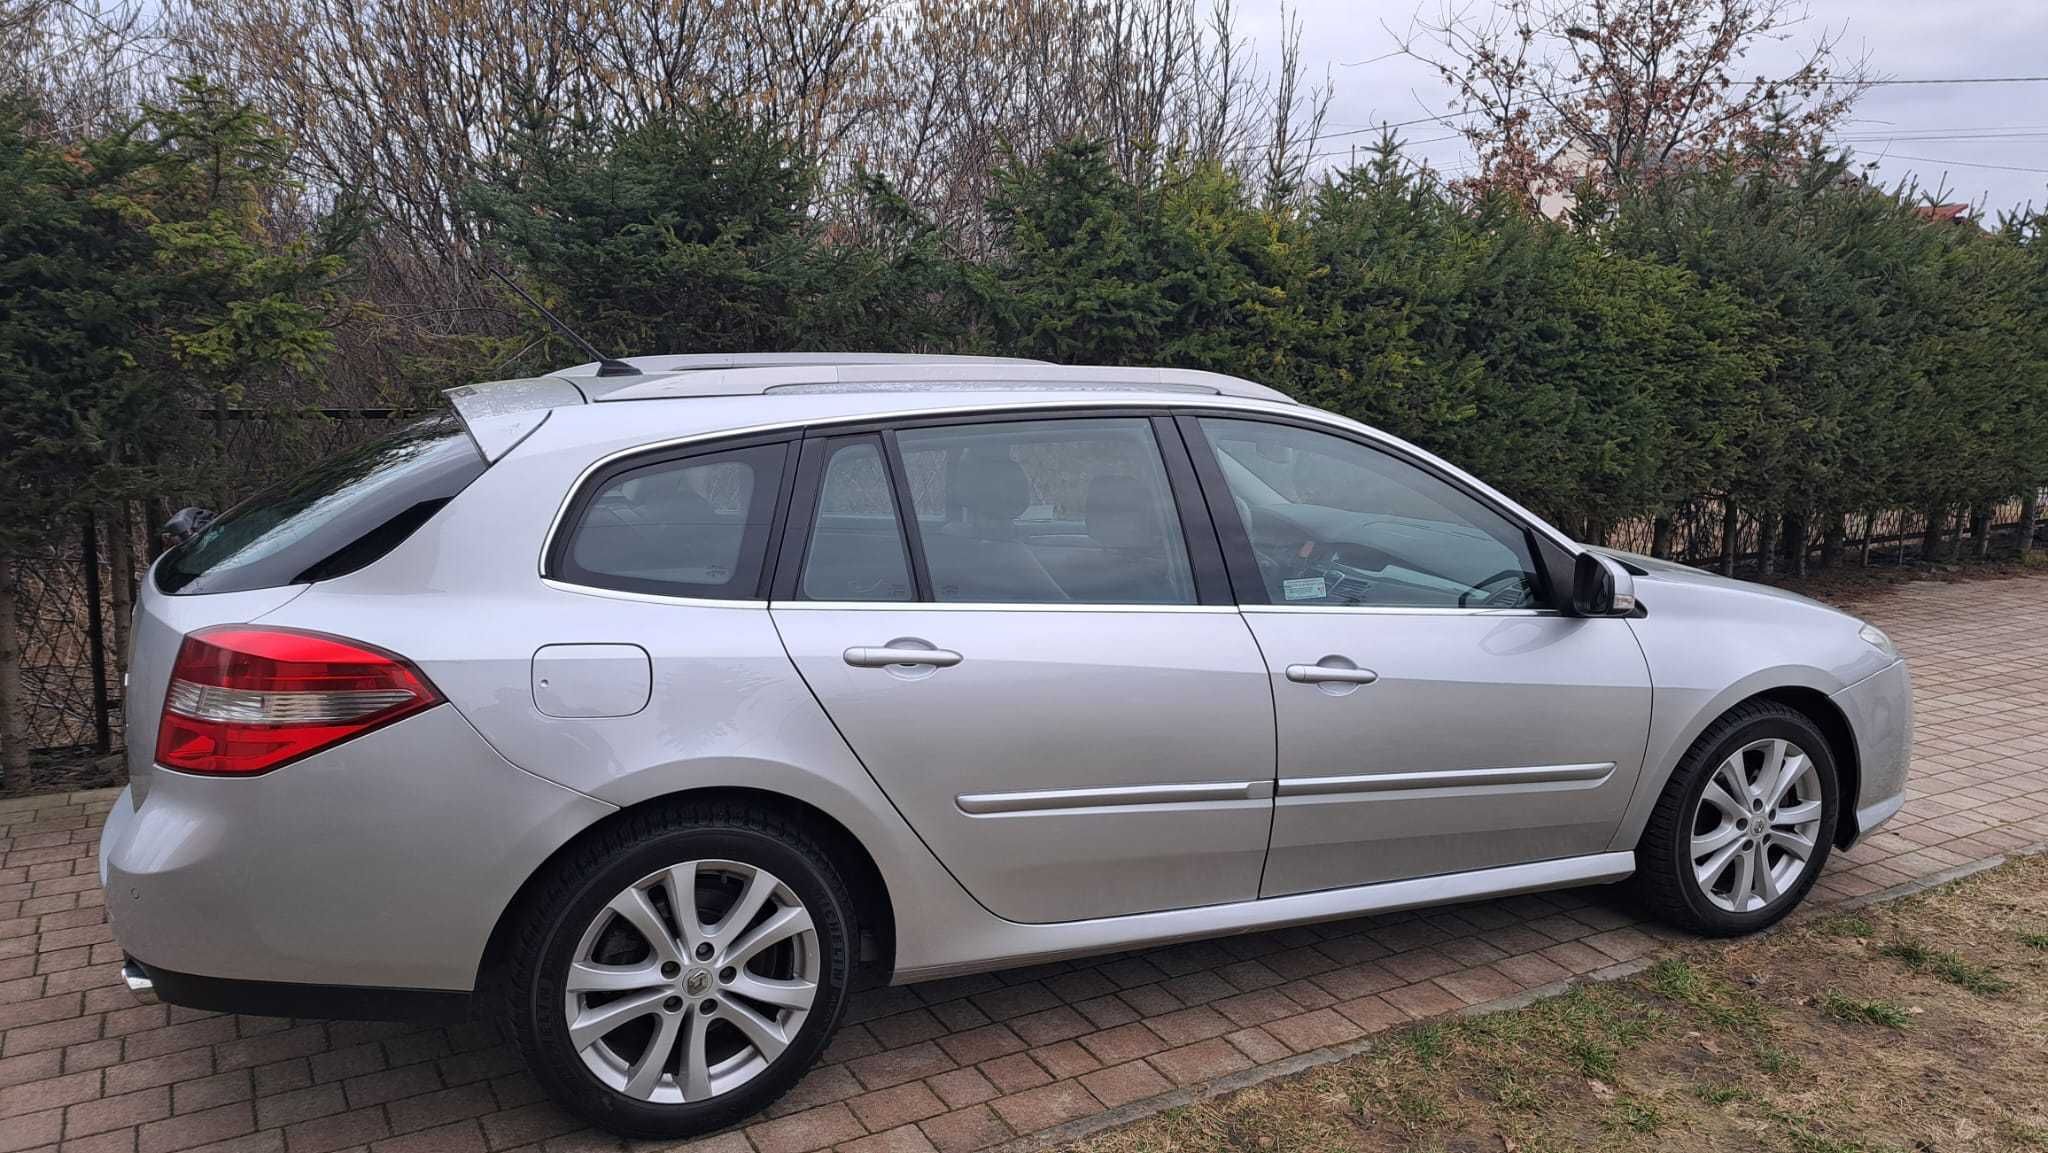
1330, 675
882, 656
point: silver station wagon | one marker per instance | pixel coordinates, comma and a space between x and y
650, 707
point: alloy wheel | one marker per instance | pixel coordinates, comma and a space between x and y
692, 981
1755, 825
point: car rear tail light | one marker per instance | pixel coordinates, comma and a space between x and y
246, 700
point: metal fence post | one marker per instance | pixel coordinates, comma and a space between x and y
96, 641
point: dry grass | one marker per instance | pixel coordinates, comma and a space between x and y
1841, 1034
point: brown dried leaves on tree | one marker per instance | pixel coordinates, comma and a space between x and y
1556, 95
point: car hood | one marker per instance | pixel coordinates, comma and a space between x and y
1650, 572
1692, 617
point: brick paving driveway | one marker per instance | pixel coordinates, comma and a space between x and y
952, 1065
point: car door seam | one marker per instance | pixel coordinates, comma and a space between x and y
797, 667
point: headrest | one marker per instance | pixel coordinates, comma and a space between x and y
992, 487
675, 502
1119, 513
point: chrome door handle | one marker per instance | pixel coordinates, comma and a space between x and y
882, 656
1329, 675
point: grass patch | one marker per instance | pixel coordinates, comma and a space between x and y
1805, 1140
1719, 1094
1638, 1116
1590, 1057
2034, 940
1845, 925
1792, 1042
1946, 966
1677, 979
2021, 1135
1428, 1043
1727, 1006
1417, 1110
1512, 1092
1773, 1060
1856, 1009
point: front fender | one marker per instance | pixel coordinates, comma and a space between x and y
1712, 644
1677, 718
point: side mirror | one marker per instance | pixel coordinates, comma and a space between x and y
1601, 587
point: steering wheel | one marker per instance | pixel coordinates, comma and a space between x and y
1512, 574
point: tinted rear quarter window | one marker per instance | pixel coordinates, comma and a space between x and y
694, 527
335, 519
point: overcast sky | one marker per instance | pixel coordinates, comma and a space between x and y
1968, 137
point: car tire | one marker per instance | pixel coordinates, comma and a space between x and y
1716, 855
589, 996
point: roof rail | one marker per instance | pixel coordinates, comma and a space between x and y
931, 374
702, 361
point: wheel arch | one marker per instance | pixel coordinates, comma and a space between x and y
1834, 725
874, 912
1803, 689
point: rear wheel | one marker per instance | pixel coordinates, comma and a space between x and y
682, 970
1745, 823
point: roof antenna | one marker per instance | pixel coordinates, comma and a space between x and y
606, 366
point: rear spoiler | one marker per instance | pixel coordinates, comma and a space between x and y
499, 414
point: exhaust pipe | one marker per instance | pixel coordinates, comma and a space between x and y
139, 982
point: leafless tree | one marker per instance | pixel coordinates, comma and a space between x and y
85, 63
1554, 92
1296, 120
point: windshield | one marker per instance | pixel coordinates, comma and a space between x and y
332, 520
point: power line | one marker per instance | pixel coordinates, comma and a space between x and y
1942, 80
1445, 119
1960, 163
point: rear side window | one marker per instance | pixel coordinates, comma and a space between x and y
1047, 511
694, 527
856, 548
333, 520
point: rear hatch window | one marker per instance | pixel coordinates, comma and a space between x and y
333, 520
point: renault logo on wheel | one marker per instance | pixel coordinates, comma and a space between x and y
698, 982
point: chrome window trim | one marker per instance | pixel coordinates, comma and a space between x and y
895, 606
652, 598
1389, 443
1110, 797
1400, 610
994, 607
1585, 775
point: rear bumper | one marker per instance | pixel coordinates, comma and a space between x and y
287, 999
1880, 712
381, 865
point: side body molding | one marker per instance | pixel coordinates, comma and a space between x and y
987, 804
1588, 775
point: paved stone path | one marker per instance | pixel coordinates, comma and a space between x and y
953, 1065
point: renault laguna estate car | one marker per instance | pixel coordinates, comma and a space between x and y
650, 706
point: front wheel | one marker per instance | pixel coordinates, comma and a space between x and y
681, 970
1745, 823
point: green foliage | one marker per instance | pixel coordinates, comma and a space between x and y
1898, 366
694, 231
1947, 966
1766, 332
1798, 343
1846, 925
142, 281
1858, 1010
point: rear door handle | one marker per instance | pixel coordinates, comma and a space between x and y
882, 656
1330, 675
